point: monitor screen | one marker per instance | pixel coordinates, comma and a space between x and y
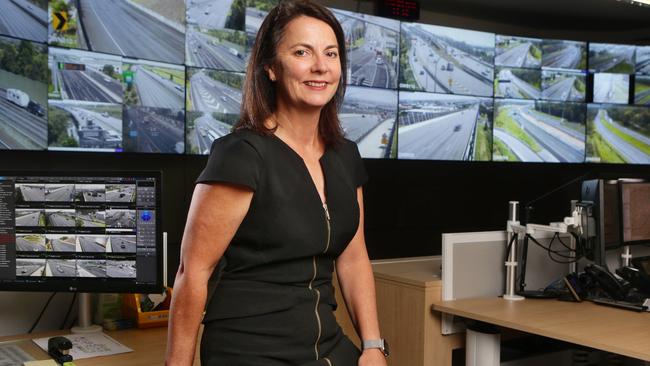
642, 90
611, 58
643, 60
611, 88
518, 52
77, 232
635, 212
517, 83
565, 55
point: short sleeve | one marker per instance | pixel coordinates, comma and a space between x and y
358, 168
234, 160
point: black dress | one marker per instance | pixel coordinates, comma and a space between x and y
275, 300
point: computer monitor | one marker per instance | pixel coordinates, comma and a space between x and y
81, 232
600, 223
635, 212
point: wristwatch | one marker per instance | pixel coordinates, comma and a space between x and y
382, 344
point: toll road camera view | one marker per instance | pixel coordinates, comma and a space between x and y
446, 60
215, 34
91, 243
611, 58
90, 217
564, 55
153, 84
518, 83
31, 243
120, 269
213, 104
29, 192
120, 218
444, 127
563, 86
642, 90
60, 268
153, 29
154, 130
30, 217
120, 193
87, 76
122, 244
643, 60
368, 117
85, 126
23, 93
618, 134
26, 267
371, 43
26, 19
59, 192
61, 243
88, 193
611, 88
256, 12
91, 268
60, 217
518, 52
530, 131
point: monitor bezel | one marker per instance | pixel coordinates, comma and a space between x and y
113, 285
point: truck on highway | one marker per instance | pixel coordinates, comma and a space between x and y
234, 52
18, 97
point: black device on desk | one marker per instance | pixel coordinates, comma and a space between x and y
621, 295
59, 348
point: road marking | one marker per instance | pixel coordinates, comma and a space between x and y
106, 29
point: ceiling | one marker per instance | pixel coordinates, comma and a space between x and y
571, 15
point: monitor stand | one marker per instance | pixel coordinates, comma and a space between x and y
84, 321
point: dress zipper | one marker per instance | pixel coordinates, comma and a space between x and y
311, 283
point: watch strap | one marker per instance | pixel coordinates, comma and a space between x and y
380, 344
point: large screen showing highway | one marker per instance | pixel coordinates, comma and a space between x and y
23, 94
618, 134
444, 127
369, 118
78, 231
611, 58
531, 131
518, 52
372, 45
446, 60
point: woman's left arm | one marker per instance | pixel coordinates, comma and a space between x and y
358, 288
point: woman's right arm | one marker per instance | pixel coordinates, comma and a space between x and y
215, 213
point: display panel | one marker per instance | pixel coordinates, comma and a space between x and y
74, 232
564, 55
153, 30
446, 60
23, 95
84, 126
369, 117
518, 52
213, 105
564, 86
611, 58
518, 83
618, 134
642, 90
530, 131
372, 44
444, 127
611, 88
643, 60
215, 34
635, 212
24, 19
256, 12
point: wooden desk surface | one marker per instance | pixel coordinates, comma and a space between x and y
148, 347
614, 330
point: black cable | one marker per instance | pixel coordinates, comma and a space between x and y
42, 312
67, 314
512, 240
549, 250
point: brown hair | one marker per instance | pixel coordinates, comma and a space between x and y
259, 95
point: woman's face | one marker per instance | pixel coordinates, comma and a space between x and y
307, 68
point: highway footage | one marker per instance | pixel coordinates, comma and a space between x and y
24, 19
618, 134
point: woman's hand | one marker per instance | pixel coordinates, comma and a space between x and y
372, 357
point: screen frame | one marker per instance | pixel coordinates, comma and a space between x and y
112, 286
621, 217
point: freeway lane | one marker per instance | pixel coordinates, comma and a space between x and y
123, 244
62, 267
515, 57
67, 245
120, 269
515, 87
30, 243
91, 268
608, 88
16, 22
32, 193
60, 220
565, 58
119, 28
20, 129
30, 267
78, 85
209, 95
93, 244
209, 13
120, 193
554, 141
372, 144
155, 91
254, 19
630, 153
562, 90
616, 54
28, 218
120, 218
155, 131
523, 152
441, 138
206, 52
63, 193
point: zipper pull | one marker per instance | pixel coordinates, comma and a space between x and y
327, 212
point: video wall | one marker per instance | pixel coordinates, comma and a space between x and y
166, 76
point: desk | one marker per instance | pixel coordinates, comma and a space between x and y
609, 329
148, 347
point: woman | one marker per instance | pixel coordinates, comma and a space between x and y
280, 199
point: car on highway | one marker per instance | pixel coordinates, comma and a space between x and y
421, 72
223, 98
35, 108
457, 128
105, 114
379, 61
